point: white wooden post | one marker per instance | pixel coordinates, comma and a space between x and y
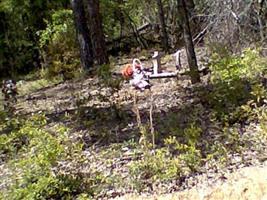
177, 57
156, 63
157, 72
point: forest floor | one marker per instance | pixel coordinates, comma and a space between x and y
246, 183
104, 119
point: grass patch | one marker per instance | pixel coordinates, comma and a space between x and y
27, 87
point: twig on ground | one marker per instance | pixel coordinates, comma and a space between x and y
152, 130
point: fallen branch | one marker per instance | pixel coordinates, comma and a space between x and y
201, 34
131, 34
152, 130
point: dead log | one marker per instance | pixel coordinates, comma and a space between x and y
146, 28
135, 38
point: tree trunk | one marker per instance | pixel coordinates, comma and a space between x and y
190, 5
96, 30
119, 16
83, 35
164, 37
189, 46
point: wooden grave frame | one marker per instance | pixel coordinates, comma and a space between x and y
157, 70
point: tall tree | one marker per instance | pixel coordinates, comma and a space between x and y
189, 46
164, 36
96, 30
83, 34
190, 5
3, 46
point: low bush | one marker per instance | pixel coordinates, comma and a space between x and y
33, 160
59, 48
236, 79
174, 160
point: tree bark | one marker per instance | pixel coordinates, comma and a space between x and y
189, 46
164, 37
83, 35
96, 30
260, 21
190, 5
119, 16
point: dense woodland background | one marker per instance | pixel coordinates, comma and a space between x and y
42, 34
78, 131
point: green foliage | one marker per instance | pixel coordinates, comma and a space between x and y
236, 80
15, 41
227, 68
106, 78
33, 155
192, 134
187, 151
172, 161
61, 23
116, 18
58, 46
27, 87
9, 123
146, 139
83, 196
153, 167
263, 124
19, 23
258, 92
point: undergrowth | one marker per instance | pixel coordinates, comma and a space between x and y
28, 87
49, 165
236, 97
32, 156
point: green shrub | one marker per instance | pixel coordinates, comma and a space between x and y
249, 65
235, 80
154, 166
59, 48
33, 159
27, 87
186, 149
106, 78
170, 162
